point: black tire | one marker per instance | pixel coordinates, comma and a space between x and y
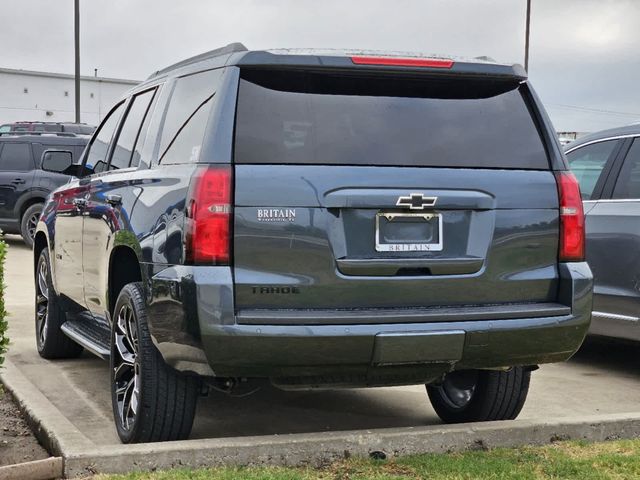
28, 223
151, 401
50, 340
480, 395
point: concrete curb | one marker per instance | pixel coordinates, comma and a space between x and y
82, 457
37, 470
318, 449
51, 428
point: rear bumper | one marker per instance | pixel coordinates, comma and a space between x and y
196, 329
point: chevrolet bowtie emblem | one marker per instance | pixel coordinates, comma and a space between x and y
416, 201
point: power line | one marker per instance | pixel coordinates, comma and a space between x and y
595, 110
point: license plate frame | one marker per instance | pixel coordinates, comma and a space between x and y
410, 246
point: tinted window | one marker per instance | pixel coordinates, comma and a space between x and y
143, 135
16, 156
97, 155
187, 116
628, 183
39, 149
320, 118
587, 164
129, 133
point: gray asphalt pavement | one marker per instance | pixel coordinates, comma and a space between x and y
604, 377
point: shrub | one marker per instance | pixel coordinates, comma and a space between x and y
4, 340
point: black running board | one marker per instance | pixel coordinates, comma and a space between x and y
93, 337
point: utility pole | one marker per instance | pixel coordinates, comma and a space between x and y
76, 18
526, 36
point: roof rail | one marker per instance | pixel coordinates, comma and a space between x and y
231, 48
39, 134
42, 122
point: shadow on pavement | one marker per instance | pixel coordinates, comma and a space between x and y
612, 354
272, 411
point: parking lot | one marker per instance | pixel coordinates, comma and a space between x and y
603, 378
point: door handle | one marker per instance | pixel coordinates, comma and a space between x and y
80, 202
18, 181
114, 199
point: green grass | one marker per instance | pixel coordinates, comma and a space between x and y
562, 460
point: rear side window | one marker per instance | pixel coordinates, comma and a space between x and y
16, 157
322, 118
130, 131
587, 164
187, 116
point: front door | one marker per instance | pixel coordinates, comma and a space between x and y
69, 247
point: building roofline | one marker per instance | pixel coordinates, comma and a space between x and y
34, 73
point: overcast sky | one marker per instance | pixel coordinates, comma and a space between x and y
584, 57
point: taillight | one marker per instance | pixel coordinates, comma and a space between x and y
571, 218
403, 62
208, 225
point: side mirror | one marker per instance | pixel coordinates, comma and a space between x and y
57, 161
100, 166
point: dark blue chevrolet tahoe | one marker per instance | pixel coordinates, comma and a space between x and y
322, 220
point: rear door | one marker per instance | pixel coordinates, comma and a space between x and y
16, 178
359, 191
613, 247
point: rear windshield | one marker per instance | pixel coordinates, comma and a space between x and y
289, 117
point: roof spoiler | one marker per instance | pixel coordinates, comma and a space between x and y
471, 67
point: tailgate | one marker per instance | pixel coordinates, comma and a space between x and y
360, 191
306, 236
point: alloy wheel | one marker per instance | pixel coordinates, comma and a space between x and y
42, 301
126, 367
32, 223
